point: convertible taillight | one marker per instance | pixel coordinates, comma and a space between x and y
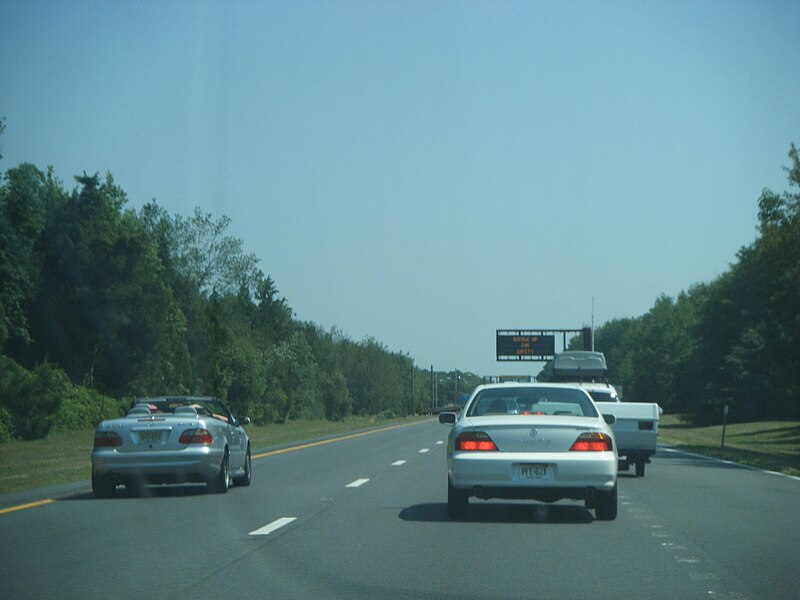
195, 436
475, 441
593, 441
107, 439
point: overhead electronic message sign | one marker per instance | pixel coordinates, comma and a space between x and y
523, 344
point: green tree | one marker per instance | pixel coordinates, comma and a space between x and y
749, 333
31, 398
208, 257
661, 354
101, 310
293, 373
616, 339
25, 198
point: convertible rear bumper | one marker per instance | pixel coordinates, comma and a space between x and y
191, 464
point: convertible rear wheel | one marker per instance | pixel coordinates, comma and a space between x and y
457, 502
605, 506
221, 482
244, 480
103, 487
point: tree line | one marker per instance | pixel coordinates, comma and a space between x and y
734, 341
100, 303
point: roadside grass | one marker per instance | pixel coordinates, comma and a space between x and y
65, 456
770, 445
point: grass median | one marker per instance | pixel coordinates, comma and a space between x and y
770, 445
65, 457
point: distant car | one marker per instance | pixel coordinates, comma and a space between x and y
171, 440
542, 442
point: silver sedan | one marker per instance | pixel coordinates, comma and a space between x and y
171, 440
542, 442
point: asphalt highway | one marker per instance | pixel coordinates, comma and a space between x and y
365, 517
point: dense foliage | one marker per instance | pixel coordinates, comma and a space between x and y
100, 303
734, 341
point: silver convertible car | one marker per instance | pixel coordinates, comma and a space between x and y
171, 440
542, 442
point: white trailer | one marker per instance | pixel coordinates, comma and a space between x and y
636, 425
635, 430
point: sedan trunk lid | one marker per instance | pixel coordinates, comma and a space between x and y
533, 433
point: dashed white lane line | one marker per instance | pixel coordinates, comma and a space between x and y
275, 525
439, 443
284, 521
683, 555
357, 483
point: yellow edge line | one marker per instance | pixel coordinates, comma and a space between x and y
332, 440
24, 506
262, 455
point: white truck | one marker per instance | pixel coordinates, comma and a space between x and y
636, 423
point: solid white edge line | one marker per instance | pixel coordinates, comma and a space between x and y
357, 483
275, 525
726, 462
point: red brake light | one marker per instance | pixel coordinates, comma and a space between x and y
195, 436
475, 441
107, 439
593, 442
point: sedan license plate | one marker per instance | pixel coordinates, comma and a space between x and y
149, 437
537, 472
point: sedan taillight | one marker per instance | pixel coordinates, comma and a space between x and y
593, 441
107, 439
195, 436
475, 441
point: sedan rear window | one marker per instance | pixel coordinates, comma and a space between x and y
531, 401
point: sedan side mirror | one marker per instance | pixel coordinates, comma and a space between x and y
610, 419
447, 418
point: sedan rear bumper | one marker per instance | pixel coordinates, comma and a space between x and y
577, 475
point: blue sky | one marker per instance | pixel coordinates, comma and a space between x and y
425, 173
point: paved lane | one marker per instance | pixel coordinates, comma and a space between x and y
365, 518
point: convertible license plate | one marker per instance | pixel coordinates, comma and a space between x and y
537, 472
149, 437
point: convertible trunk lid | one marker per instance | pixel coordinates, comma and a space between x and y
156, 433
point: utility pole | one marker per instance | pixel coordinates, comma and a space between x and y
433, 390
413, 391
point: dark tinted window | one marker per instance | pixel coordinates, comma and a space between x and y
531, 401
602, 396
